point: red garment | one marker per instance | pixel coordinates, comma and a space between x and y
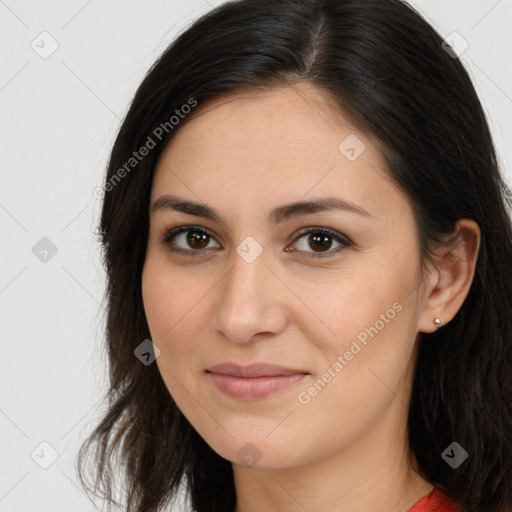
436, 501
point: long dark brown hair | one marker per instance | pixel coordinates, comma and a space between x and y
389, 70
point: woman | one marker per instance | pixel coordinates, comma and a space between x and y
308, 252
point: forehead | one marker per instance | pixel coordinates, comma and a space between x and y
258, 145
301, 113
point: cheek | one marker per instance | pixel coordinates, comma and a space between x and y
165, 306
157, 298
362, 365
166, 297
361, 306
175, 311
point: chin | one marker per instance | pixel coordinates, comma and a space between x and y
256, 451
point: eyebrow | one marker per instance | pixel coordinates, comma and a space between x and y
277, 215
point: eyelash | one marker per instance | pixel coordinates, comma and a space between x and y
172, 233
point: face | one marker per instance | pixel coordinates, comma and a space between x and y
331, 292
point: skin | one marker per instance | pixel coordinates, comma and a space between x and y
346, 449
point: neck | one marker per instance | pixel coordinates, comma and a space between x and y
373, 473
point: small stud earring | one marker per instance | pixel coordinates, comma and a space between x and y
437, 322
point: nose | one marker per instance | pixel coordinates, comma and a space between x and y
251, 301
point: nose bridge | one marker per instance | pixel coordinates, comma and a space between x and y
248, 269
247, 303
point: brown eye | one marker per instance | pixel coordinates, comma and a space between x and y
197, 240
189, 240
315, 242
320, 240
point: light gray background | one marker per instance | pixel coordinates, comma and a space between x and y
59, 116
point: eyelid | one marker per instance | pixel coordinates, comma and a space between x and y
344, 241
172, 233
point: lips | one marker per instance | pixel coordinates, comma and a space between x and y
253, 370
255, 381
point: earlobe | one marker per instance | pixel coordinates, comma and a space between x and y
451, 278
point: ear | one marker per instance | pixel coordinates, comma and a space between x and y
450, 277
